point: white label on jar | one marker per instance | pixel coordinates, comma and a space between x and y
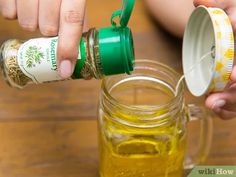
37, 59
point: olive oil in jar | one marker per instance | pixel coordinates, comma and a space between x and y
156, 153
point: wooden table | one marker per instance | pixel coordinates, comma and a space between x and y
50, 130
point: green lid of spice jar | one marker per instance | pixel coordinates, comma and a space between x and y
116, 50
116, 43
208, 51
111, 48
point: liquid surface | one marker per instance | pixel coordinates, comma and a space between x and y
142, 90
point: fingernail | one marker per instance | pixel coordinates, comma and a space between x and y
65, 68
218, 104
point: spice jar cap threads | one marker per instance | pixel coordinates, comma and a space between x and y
116, 50
208, 31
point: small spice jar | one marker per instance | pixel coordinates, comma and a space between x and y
107, 51
209, 30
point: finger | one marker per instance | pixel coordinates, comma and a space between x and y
214, 3
232, 15
8, 9
27, 13
85, 26
225, 114
49, 17
208, 3
70, 30
217, 104
215, 101
226, 99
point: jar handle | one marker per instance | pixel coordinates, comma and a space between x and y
199, 114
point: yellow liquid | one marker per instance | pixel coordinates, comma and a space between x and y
139, 153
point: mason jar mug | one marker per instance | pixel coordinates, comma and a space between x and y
143, 124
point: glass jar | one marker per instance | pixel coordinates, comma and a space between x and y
143, 124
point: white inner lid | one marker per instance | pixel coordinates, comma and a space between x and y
199, 39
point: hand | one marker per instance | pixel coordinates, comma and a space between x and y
64, 18
163, 11
223, 103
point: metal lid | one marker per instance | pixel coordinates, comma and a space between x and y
124, 13
208, 33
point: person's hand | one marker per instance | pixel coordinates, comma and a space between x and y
223, 103
64, 18
163, 11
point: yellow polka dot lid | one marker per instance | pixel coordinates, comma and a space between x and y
208, 50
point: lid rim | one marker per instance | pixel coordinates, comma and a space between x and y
223, 42
220, 44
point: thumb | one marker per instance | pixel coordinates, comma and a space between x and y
71, 26
208, 3
215, 3
215, 101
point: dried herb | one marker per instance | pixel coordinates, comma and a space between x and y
10, 67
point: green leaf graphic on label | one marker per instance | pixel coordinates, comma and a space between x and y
33, 56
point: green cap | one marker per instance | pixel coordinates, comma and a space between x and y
127, 9
116, 43
124, 13
116, 50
